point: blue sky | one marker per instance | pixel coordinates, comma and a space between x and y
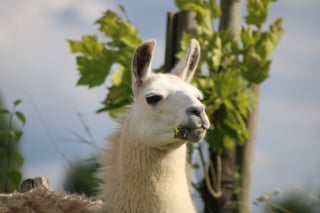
36, 66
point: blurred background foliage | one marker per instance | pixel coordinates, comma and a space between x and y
291, 201
81, 179
11, 159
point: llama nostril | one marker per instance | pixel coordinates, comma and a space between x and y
195, 110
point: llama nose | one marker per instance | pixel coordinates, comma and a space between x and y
195, 110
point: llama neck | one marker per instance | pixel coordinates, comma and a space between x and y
144, 179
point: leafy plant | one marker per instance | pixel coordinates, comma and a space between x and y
293, 201
98, 60
81, 179
227, 68
231, 67
10, 158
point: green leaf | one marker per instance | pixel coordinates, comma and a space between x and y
115, 111
204, 84
18, 134
12, 133
184, 44
227, 83
122, 9
88, 46
118, 76
247, 37
257, 12
17, 102
243, 132
94, 61
276, 31
75, 46
18, 159
265, 48
215, 138
256, 69
245, 101
118, 29
215, 9
228, 143
21, 117
93, 71
4, 111
91, 46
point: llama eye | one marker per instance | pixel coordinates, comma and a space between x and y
153, 99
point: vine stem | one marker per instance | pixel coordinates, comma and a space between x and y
9, 154
216, 175
215, 193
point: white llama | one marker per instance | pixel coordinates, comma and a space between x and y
145, 162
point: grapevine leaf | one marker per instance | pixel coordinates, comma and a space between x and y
21, 117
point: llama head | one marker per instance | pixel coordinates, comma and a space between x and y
167, 110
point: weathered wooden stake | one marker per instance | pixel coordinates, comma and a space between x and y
32, 183
177, 23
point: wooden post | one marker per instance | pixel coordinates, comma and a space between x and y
231, 19
32, 183
246, 158
177, 23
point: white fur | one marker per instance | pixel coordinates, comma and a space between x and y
144, 163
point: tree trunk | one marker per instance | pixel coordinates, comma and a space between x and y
246, 158
231, 17
229, 20
177, 23
222, 204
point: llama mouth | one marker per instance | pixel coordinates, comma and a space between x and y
192, 135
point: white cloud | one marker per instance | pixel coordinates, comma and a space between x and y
23, 19
88, 9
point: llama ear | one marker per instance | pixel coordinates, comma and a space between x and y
186, 67
141, 64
